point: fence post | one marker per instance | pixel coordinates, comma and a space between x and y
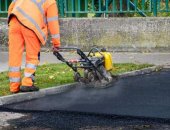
154, 3
83, 6
61, 7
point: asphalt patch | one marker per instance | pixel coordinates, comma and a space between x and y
56, 120
143, 96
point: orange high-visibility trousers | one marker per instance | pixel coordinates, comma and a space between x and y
21, 37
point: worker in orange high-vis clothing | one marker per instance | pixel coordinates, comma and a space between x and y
29, 22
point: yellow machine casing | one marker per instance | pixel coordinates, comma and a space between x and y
108, 62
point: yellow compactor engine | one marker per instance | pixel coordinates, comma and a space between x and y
108, 62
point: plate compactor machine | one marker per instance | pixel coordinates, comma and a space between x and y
96, 65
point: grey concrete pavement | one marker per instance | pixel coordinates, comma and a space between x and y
139, 58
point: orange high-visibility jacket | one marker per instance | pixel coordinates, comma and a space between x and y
39, 16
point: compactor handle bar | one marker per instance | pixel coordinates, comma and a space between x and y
59, 56
79, 52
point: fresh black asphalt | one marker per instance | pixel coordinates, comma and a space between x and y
139, 96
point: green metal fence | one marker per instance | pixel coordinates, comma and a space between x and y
4, 5
84, 8
99, 7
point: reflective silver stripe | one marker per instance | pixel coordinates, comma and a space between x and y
52, 19
14, 0
31, 66
27, 74
39, 5
14, 69
42, 2
55, 36
32, 21
14, 79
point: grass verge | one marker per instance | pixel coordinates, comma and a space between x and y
49, 75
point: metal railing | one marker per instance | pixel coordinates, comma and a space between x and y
82, 8
4, 5
163, 6
103, 6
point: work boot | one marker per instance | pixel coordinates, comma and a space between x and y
28, 88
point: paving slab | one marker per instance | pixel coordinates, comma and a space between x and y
141, 96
